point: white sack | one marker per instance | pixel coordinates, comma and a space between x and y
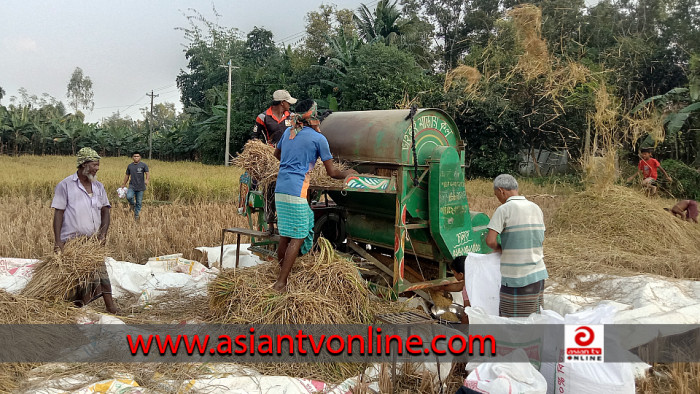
482, 280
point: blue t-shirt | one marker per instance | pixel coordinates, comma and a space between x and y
298, 159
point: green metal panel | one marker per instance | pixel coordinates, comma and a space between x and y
450, 221
478, 235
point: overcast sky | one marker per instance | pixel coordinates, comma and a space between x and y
126, 47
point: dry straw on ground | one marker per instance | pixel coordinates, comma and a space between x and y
322, 289
618, 230
57, 276
19, 309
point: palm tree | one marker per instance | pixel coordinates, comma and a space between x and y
384, 24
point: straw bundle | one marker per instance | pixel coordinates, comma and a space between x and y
56, 277
617, 230
321, 289
18, 309
259, 160
462, 75
319, 176
527, 19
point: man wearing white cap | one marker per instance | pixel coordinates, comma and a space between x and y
271, 124
269, 127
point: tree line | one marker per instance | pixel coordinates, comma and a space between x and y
515, 77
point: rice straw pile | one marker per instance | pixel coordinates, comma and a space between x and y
618, 230
58, 274
321, 289
259, 160
319, 177
18, 309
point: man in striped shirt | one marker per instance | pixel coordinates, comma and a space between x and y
521, 226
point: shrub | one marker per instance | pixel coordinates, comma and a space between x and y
686, 180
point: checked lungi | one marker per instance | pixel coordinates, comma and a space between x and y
295, 219
521, 301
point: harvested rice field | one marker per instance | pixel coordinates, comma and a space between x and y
188, 204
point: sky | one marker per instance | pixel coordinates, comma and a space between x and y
126, 47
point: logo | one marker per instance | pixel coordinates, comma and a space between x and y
584, 343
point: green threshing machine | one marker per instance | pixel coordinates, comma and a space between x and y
408, 207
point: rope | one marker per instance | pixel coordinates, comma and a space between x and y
410, 116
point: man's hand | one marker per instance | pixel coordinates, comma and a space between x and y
58, 246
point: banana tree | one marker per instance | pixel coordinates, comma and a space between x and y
677, 107
19, 125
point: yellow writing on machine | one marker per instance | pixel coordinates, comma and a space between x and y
462, 237
463, 250
456, 196
452, 184
433, 122
452, 209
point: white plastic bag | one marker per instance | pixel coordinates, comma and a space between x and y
482, 280
121, 192
507, 377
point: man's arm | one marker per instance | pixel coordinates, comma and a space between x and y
57, 225
492, 241
104, 227
126, 179
148, 176
334, 172
452, 287
278, 153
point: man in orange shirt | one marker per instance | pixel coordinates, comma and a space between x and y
269, 127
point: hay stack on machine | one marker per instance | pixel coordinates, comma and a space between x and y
407, 211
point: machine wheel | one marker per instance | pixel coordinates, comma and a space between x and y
332, 227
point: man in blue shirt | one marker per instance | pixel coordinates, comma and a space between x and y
298, 149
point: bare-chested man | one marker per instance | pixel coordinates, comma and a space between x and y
686, 209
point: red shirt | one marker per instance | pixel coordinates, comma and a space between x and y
648, 167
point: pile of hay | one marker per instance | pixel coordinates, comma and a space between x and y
58, 274
618, 230
18, 309
319, 177
321, 289
259, 160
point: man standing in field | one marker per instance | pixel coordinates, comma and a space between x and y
298, 149
521, 225
81, 208
269, 127
138, 172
